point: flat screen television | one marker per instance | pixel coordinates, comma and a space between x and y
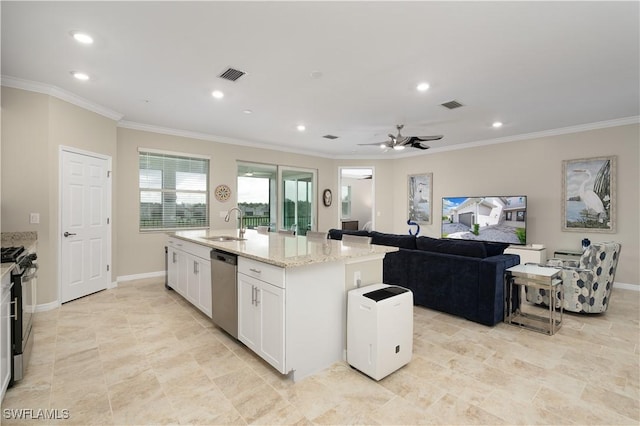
501, 219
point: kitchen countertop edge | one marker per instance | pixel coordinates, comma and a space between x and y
336, 250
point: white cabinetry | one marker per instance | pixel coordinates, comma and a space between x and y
261, 310
189, 272
5, 334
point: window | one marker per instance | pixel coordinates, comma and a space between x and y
346, 201
257, 194
277, 196
174, 191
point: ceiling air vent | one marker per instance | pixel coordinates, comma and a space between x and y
330, 137
232, 74
452, 104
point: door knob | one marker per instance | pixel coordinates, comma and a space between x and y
68, 234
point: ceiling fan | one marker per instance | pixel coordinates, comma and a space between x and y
399, 142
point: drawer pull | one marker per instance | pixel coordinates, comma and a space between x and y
256, 271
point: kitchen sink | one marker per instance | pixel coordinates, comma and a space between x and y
223, 238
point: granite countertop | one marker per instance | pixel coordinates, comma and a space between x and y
13, 239
283, 250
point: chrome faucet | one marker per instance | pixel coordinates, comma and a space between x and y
226, 219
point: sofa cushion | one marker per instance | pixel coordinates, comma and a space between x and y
447, 246
336, 234
394, 240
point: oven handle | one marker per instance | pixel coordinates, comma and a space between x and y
15, 308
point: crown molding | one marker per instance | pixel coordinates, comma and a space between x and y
213, 138
56, 92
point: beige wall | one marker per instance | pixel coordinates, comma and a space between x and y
34, 126
144, 252
534, 168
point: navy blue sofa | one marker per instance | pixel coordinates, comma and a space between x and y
463, 278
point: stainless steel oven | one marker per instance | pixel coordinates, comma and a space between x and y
23, 295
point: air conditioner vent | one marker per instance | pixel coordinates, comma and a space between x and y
452, 104
232, 74
330, 137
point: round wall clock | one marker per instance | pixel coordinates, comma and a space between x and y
327, 197
222, 192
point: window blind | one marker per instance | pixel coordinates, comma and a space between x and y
174, 191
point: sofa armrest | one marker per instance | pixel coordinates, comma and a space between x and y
491, 295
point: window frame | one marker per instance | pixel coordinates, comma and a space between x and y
178, 156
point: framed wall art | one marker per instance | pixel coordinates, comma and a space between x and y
327, 197
420, 198
589, 194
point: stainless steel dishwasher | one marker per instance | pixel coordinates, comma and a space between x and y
224, 291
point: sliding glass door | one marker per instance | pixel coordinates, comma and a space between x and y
298, 200
277, 196
257, 194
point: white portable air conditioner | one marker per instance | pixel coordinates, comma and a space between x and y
379, 329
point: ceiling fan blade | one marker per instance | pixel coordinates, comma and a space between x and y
385, 143
429, 138
419, 145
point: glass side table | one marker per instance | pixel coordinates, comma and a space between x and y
534, 277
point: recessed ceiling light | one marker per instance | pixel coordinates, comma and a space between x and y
80, 75
497, 124
301, 127
247, 111
217, 94
82, 37
422, 87
316, 74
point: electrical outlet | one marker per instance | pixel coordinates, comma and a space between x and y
34, 218
357, 279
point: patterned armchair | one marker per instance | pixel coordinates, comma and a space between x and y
587, 283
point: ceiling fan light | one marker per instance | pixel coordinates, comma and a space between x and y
398, 147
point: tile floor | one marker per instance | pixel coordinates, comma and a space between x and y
139, 354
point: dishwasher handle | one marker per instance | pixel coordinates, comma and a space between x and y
223, 256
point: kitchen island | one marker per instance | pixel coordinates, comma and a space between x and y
291, 291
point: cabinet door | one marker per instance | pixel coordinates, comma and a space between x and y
199, 283
193, 280
270, 304
204, 288
5, 336
247, 311
183, 273
172, 268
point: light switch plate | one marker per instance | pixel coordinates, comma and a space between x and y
34, 217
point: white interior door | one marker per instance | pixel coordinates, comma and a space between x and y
85, 245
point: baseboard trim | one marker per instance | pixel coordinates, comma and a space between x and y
134, 277
48, 306
625, 286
